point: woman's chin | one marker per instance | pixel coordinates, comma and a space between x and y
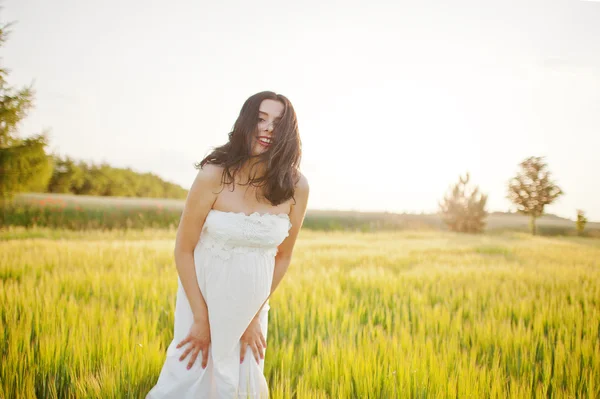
258, 150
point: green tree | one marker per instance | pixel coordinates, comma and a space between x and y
82, 178
532, 189
463, 207
581, 222
67, 176
24, 165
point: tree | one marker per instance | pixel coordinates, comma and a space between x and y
463, 207
24, 165
532, 189
581, 221
67, 177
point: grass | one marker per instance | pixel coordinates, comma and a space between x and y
84, 213
409, 314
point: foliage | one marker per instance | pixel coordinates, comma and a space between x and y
67, 176
581, 221
24, 165
532, 189
14, 104
82, 178
463, 208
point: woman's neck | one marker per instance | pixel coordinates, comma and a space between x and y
252, 165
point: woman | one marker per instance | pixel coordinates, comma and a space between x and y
233, 246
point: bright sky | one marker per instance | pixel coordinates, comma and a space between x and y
395, 99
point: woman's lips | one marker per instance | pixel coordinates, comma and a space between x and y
262, 142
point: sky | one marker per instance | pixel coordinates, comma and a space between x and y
395, 99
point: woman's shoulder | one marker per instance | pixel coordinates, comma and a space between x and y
211, 168
302, 184
210, 173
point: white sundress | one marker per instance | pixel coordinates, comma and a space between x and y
234, 261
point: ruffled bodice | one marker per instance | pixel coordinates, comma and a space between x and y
226, 233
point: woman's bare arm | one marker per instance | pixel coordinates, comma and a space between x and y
200, 199
286, 248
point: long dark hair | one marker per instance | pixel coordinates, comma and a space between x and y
281, 159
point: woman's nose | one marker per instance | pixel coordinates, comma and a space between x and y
270, 126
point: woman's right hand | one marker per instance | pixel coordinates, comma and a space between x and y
198, 339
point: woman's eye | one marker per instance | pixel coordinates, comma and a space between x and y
261, 119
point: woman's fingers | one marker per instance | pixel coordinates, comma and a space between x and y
257, 346
242, 351
188, 350
185, 341
196, 348
193, 358
263, 340
204, 356
256, 349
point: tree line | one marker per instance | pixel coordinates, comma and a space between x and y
81, 178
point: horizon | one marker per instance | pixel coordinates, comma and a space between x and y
394, 102
95, 198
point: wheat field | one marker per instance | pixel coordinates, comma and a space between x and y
358, 315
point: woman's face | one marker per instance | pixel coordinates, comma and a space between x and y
269, 113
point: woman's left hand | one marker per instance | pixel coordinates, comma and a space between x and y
253, 337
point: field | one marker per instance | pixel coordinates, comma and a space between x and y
80, 212
409, 314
